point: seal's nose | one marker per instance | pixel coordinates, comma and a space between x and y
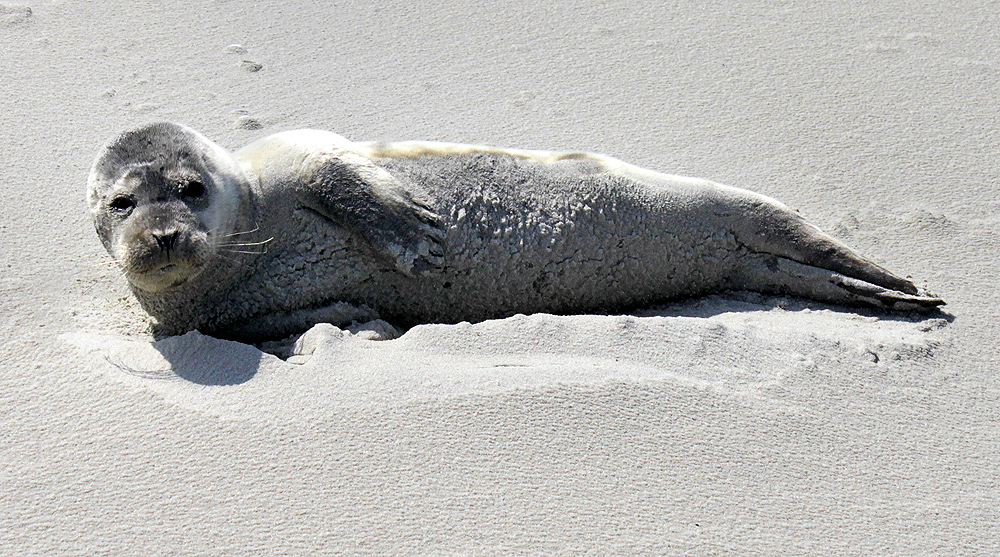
166, 240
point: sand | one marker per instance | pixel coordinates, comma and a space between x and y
729, 425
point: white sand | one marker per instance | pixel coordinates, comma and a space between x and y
722, 426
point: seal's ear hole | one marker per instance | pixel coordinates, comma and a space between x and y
192, 189
122, 204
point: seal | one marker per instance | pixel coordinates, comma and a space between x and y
304, 227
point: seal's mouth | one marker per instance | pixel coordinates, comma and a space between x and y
164, 276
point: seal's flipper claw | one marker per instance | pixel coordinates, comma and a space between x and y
436, 248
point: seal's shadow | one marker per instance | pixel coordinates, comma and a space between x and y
205, 360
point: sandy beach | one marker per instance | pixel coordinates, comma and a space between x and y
734, 424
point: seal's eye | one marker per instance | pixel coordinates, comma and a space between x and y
121, 204
192, 189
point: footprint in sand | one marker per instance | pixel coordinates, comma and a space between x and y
14, 15
245, 65
251, 66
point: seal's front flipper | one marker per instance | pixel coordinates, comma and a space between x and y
369, 201
779, 275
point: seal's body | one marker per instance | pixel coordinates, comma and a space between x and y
304, 227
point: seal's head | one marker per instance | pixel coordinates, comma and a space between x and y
161, 196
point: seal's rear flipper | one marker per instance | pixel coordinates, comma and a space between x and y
778, 275
769, 227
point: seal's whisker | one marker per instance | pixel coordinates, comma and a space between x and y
246, 243
108, 263
255, 229
245, 251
